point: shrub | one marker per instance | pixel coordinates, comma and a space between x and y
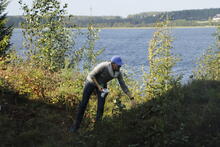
208, 66
161, 61
46, 37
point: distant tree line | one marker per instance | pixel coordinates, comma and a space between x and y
198, 17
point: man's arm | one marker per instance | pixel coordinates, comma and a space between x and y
124, 86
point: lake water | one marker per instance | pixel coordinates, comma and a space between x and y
132, 44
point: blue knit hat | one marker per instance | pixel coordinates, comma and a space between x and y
117, 60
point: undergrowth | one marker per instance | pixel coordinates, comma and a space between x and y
184, 116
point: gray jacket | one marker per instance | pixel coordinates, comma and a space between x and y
103, 73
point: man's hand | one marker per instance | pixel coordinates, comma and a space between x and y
131, 98
97, 84
133, 103
100, 88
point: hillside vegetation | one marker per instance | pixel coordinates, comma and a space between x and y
200, 17
184, 116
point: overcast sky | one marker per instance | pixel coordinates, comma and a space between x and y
122, 7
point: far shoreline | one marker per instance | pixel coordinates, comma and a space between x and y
172, 27
152, 27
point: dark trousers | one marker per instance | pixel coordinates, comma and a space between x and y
88, 89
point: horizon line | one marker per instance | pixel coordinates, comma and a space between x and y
128, 14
